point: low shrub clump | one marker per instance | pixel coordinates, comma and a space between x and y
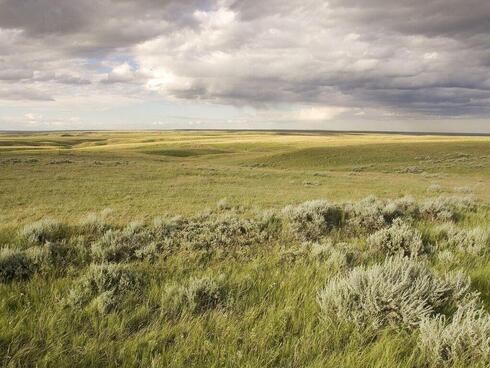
398, 292
197, 296
50, 256
122, 245
204, 232
464, 339
365, 215
95, 223
219, 231
472, 241
105, 285
15, 265
434, 188
114, 246
47, 230
338, 256
404, 207
314, 219
372, 214
398, 239
446, 208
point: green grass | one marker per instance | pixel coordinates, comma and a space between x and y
185, 152
142, 175
270, 316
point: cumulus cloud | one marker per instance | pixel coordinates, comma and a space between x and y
317, 60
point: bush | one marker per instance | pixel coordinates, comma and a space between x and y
50, 255
120, 245
223, 205
203, 232
446, 257
320, 251
43, 231
198, 295
398, 292
269, 225
167, 228
15, 265
107, 284
221, 231
372, 214
339, 256
133, 228
148, 252
434, 188
472, 241
95, 223
466, 190
446, 208
464, 340
365, 215
401, 207
399, 239
314, 219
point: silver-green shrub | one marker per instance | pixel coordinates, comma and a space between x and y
120, 245
223, 205
404, 207
15, 265
219, 231
107, 284
446, 208
198, 295
42, 231
338, 256
365, 215
319, 250
95, 223
472, 241
462, 340
399, 239
446, 257
51, 255
398, 292
313, 219
148, 252
371, 214
434, 188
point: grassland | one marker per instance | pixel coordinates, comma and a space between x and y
143, 175
234, 284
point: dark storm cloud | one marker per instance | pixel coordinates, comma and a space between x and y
97, 25
453, 18
422, 57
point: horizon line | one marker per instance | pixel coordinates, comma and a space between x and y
394, 132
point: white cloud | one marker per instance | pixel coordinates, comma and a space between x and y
306, 61
319, 113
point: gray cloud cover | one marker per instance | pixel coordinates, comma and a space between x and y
373, 59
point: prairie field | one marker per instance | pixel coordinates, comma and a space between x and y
244, 249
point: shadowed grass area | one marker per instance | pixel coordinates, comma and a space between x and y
185, 152
466, 156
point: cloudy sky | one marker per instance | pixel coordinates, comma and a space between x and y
255, 64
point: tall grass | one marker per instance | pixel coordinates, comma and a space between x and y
318, 284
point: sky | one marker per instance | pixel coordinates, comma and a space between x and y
405, 65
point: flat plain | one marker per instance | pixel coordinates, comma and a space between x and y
198, 249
